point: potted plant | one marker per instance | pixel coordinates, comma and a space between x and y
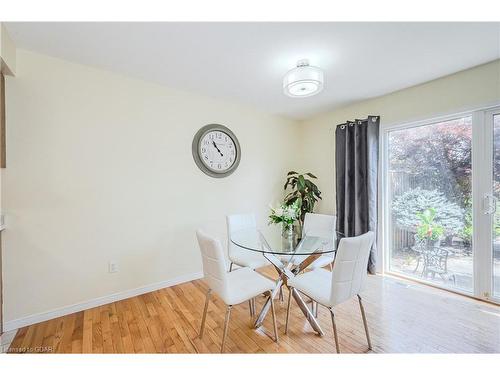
429, 230
286, 215
304, 193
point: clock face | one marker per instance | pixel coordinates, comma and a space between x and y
217, 151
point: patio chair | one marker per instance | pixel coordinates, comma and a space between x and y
435, 261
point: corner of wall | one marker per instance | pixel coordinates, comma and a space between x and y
7, 52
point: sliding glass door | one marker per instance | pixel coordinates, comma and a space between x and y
441, 188
430, 201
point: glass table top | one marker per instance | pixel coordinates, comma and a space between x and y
271, 240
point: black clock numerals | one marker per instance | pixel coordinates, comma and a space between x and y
218, 151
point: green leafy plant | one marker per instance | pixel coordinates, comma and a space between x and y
428, 229
304, 192
466, 232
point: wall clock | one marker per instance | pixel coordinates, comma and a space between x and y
216, 150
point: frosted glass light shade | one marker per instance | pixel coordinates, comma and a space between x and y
303, 81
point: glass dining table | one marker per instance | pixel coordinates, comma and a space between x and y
289, 255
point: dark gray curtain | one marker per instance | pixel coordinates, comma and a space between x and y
356, 163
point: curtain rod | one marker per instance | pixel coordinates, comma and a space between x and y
343, 125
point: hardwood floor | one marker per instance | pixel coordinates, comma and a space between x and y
403, 318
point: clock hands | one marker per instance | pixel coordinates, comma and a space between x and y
215, 145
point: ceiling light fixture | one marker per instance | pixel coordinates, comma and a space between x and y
303, 81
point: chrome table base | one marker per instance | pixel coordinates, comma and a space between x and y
285, 273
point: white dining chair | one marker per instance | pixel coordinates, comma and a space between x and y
346, 280
237, 255
321, 226
233, 288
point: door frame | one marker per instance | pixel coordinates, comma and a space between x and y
484, 182
482, 282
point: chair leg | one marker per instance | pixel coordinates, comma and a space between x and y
288, 309
274, 317
281, 294
251, 305
365, 323
226, 326
418, 264
315, 308
231, 267
204, 318
424, 271
335, 331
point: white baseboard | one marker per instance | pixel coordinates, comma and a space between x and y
77, 307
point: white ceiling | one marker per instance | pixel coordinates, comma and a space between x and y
245, 62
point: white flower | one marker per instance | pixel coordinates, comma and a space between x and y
284, 214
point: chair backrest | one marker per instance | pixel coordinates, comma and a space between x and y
320, 225
235, 223
214, 264
350, 267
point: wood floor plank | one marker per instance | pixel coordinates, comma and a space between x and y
403, 317
107, 338
97, 345
66, 333
76, 337
28, 338
126, 337
87, 332
48, 339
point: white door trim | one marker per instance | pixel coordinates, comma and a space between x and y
484, 232
480, 182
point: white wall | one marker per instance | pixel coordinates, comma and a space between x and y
100, 168
465, 90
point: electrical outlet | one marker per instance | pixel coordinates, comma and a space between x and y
112, 267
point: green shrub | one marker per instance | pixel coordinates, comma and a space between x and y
412, 208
